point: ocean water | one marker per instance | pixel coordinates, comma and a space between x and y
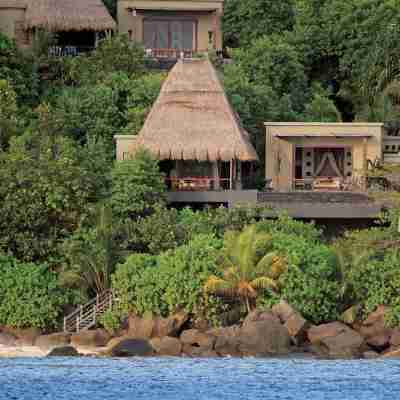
195, 379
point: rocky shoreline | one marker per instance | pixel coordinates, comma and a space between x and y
279, 332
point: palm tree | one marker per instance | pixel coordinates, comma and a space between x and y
248, 266
92, 255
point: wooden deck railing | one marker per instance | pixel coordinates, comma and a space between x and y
170, 53
197, 183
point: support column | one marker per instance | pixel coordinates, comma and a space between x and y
365, 164
230, 174
215, 174
217, 29
238, 185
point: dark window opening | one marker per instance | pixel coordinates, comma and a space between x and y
169, 34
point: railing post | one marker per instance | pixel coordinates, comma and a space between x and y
77, 323
94, 314
65, 324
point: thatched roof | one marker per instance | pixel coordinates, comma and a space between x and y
193, 120
68, 15
13, 4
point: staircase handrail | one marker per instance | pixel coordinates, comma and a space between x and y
81, 313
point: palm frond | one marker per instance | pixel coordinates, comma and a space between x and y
219, 286
264, 282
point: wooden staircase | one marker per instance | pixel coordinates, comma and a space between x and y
87, 315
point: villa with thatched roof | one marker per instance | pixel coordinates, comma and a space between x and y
193, 130
76, 22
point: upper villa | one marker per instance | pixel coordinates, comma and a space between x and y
168, 28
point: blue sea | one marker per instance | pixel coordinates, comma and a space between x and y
195, 379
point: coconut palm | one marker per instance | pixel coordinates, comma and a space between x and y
248, 267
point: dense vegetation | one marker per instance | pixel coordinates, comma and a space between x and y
73, 223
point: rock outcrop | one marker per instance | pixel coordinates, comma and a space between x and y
127, 347
374, 330
336, 339
262, 334
7, 339
54, 340
64, 351
148, 326
167, 346
90, 338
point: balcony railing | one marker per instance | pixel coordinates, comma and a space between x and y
69, 51
355, 183
193, 184
170, 53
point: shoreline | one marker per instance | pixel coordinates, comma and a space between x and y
37, 352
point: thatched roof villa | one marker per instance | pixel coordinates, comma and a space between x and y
76, 22
193, 125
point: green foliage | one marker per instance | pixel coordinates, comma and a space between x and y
29, 295
8, 113
169, 282
89, 113
167, 229
91, 255
20, 71
316, 298
321, 108
310, 283
369, 262
111, 321
137, 186
244, 22
45, 189
248, 267
289, 226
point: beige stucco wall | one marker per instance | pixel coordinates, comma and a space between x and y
124, 146
205, 18
275, 148
10, 13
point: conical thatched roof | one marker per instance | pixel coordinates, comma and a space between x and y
193, 120
68, 15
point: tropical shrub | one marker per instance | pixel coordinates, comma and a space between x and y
8, 113
20, 71
168, 228
29, 295
45, 190
137, 186
169, 282
311, 282
239, 18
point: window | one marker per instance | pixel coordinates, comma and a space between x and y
125, 156
169, 34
